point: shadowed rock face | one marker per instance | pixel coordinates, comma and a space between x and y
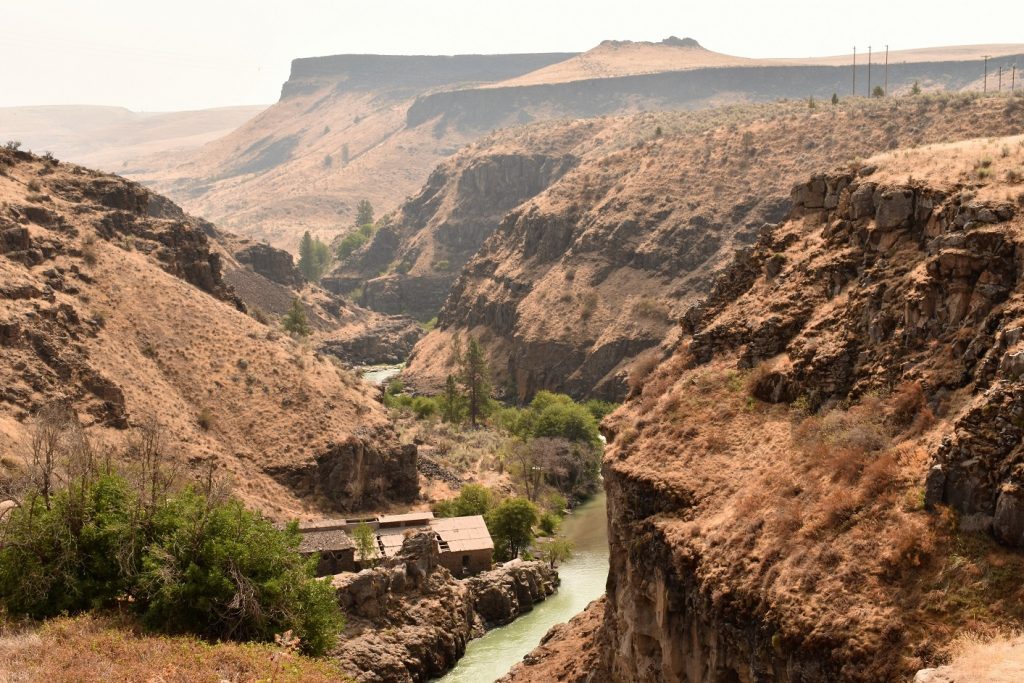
426, 243
276, 265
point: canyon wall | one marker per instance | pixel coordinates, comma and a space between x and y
578, 287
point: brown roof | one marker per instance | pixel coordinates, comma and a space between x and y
463, 533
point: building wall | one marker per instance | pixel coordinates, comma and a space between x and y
458, 564
335, 562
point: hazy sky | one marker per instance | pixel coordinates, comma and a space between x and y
159, 55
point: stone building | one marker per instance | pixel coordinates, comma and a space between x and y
464, 545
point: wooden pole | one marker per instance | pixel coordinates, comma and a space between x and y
985, 87
886, 70
854, 93
869, 71
1013, 78
1000, 79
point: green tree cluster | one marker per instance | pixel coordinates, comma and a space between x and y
551, 415
314, 257
473, 499
185, 562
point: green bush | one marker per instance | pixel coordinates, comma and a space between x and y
185, 563
600, 409
511, 526
549, 522
225, 572
473, 499
551, 415
351, 243
424, 407
74, 554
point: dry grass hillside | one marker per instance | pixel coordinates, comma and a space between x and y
338, 135
113, 299
107, 137
580, 285
617, 58
352, 127
822, 481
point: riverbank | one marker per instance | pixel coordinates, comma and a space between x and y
582, 580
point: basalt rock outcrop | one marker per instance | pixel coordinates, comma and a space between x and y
428, 240
793, 495
579, 288
409, 620
274, 264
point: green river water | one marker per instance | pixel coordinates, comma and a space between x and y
583, 579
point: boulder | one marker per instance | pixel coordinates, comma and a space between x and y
894, 208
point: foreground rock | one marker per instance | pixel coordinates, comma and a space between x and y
409, 619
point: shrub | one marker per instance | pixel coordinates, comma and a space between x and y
600, 409
205, 419
185, 563
72, 554
350, 244
222, 571
89, 252
424, 407
295, 321
473, 499
551, 415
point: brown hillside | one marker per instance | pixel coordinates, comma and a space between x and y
285, 171
822, 481
112, 299
580, 285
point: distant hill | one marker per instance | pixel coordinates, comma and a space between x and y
350, 127
105, 137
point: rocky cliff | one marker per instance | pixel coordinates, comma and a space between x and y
411, 263
350, 127
818, 484
578, 287
114, 300
409, 619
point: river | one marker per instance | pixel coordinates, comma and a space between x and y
583, 579
380, 374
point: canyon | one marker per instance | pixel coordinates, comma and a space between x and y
810, 307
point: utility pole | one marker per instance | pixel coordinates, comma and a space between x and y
1000, 79
1013, 78
854, 93
985, 87
869, 71
886, 70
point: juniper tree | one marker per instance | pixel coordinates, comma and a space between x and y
295, 320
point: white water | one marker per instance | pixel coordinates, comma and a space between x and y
583, 579
380, 374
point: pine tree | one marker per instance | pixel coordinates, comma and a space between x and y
305, 254
451, 401
835, 99
295, 320
916, 89
364, 213
476, 381
314, 257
